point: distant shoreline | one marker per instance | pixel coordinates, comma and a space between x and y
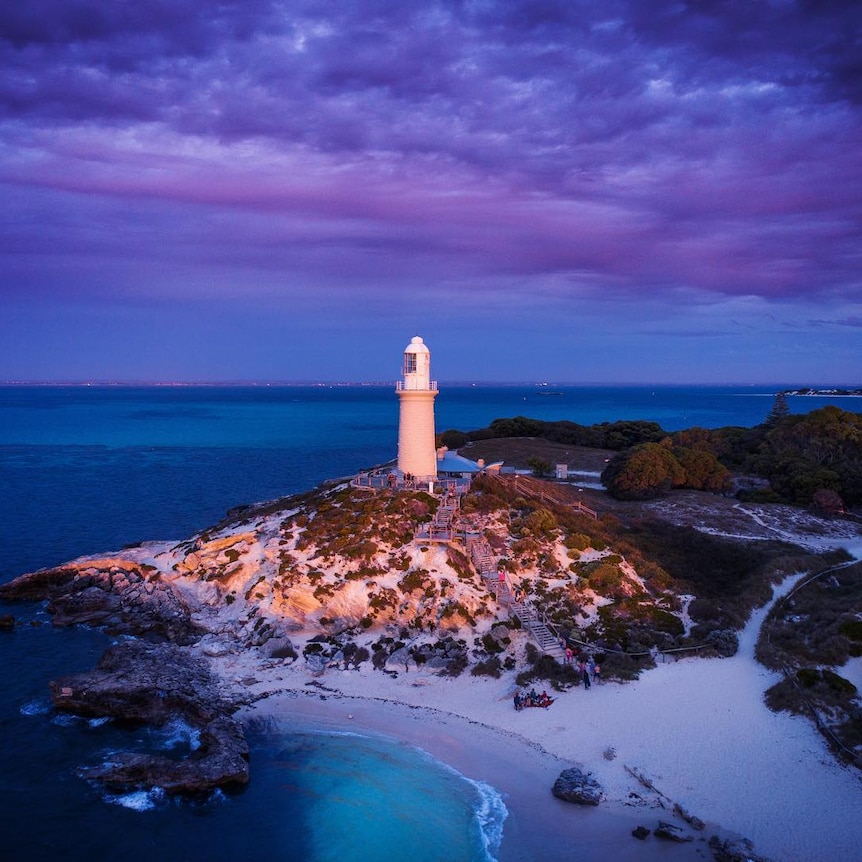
824, 393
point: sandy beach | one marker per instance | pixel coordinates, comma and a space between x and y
697, 729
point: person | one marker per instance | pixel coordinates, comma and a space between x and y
597, 674
518, 701
591, 665
569, 655
586, 674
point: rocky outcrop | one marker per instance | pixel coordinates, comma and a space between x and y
112, 593
734, 850
152, 684
7, 622
576, 786
220, 760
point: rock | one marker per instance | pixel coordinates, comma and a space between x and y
112, 593
691, 819
734, 850
500, 632
143, 682
316, 662
151, 684
400, 657
670, 832
220, 760
578, 787
640, 832
7, 623
213, 646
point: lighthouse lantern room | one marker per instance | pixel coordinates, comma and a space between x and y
417, 454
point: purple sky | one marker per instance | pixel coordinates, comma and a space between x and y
607, 191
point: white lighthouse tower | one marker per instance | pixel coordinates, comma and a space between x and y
417, 453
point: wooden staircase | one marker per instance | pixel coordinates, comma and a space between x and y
531, 620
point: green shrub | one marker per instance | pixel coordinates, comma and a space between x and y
578, 542
560, 676
490, 667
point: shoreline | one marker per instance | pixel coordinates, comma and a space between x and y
538, 826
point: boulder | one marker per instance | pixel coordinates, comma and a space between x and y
641, 833
399, 657
578, 787
7, 622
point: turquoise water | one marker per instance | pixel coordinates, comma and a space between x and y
89, 469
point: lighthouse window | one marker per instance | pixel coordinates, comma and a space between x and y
409, 363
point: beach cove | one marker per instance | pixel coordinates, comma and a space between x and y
698, 729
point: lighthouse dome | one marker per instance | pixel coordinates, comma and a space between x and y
417, 345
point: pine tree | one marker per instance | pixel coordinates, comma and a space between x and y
780, 409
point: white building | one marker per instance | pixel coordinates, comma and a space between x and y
417, 454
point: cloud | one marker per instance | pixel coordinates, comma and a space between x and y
592, 152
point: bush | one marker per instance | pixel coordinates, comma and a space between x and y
490, 667
560, 676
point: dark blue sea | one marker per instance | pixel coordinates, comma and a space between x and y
87, 469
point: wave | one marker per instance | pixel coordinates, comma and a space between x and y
490, 814
35, 707
138, 800
489, 810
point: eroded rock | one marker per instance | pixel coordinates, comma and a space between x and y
113, 593
576, 786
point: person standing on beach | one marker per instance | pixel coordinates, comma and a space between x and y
597, 675
586, 675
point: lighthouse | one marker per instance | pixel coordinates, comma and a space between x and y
416, 392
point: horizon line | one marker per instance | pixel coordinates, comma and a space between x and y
540, 384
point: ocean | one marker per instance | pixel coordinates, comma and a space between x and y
87, 469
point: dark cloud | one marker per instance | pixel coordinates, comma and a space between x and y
616, 145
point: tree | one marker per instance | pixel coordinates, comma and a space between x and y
539, 466
780, 409
643, 473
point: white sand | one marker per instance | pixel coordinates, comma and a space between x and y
697, 728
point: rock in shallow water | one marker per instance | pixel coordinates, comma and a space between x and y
152, 684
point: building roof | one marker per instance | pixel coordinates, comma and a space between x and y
452, 462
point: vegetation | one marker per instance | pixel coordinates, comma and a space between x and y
814, 629
798, 455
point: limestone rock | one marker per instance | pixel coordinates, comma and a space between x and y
578, 787
108, 592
